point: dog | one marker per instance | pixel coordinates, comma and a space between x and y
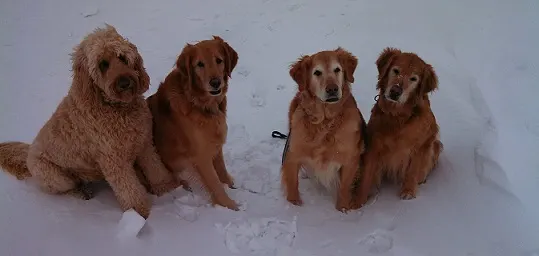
102, 130
326, 126
404, 142
189, 114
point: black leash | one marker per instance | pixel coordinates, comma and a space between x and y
279, 135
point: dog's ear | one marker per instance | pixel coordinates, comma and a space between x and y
231, 56
349, 63
429, 81
144, 78
183, 63
384, 61
81, 73
298, 71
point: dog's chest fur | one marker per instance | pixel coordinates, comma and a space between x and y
325, 147
206, 132
396, 143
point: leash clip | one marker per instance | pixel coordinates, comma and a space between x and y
279, 135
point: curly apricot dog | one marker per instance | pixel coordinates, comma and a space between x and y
101, 130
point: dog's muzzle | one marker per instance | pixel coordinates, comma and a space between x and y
395, 92
124, 83
215, 86
332, 93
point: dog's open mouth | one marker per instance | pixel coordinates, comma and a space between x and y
215, 92
332, 99
392, 98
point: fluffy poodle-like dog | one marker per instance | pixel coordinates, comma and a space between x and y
189, 111
404, 142
326, 126
102, 130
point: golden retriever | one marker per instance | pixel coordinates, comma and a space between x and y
102, 129
189, 112
325, 124
404, 142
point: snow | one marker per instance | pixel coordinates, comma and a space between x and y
130, 224
482, 199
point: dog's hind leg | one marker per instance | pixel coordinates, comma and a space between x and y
435, 151
54, 180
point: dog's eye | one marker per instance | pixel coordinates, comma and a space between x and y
337, 70
123, 59
103, 65
317, 73
413, 79
200, 64
395, 71
219, 61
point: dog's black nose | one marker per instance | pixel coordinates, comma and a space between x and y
124, 83
332, 90
395, 92
215, 83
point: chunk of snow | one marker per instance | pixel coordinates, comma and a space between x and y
130, 224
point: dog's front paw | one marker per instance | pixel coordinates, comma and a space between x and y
185, 185
83, 192
229, 181
407, 193
343, 206
163, 188
295, 200
230, 204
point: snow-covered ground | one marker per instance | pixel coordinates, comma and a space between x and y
482, 200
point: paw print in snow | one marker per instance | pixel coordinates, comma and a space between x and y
378, 242
257, 101
243, 71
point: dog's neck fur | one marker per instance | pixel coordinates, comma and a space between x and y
400, 113
317, 111
195, 99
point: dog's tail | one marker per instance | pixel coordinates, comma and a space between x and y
13, 159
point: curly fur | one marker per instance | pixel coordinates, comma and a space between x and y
101, 130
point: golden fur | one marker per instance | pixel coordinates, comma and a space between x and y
189, 111
326, 125
101, 130
403, 134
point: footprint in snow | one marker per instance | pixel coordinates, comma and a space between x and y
258, 236
377, 242
257, 100
243, 71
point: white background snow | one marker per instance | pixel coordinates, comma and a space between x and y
482, 200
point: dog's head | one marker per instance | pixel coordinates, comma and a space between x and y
208, 65
404, 76
326, 74
112, 64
